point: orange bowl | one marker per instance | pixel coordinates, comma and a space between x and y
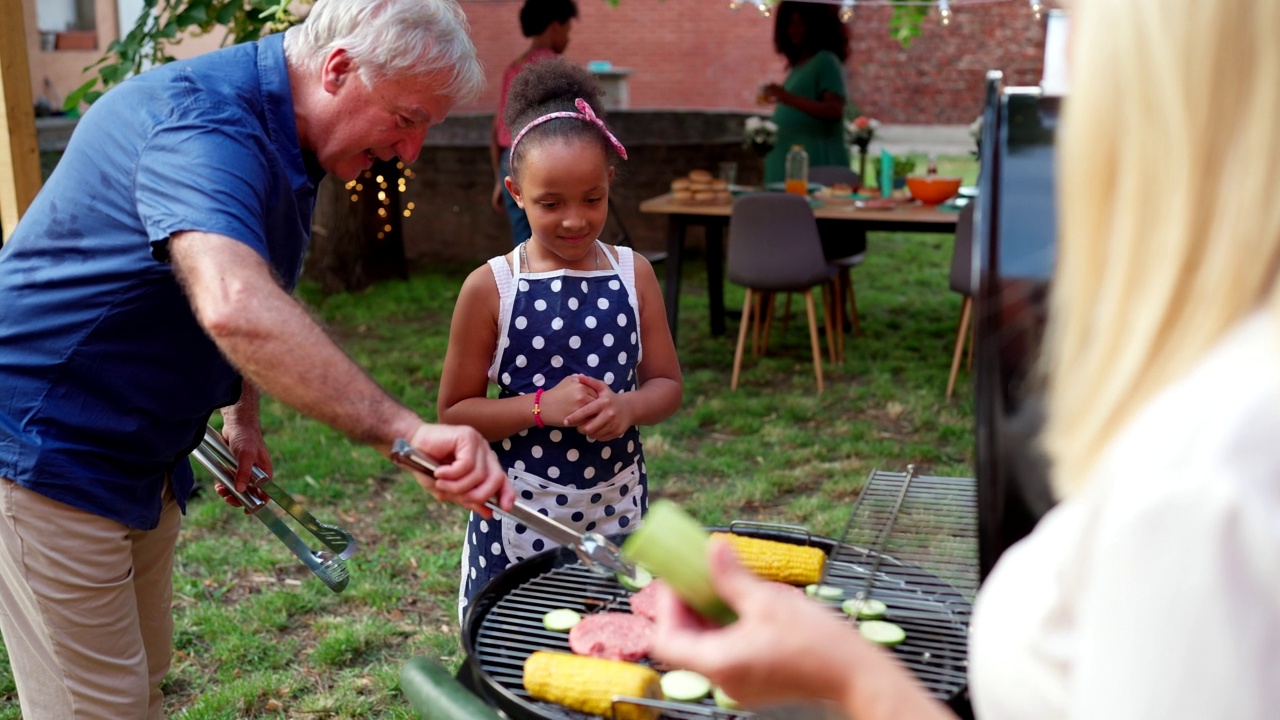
933, 189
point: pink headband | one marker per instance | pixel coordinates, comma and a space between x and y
586, 114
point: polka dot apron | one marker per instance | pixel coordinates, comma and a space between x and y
553, 325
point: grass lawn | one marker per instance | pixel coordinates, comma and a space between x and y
257, 636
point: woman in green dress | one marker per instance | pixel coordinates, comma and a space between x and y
811, 101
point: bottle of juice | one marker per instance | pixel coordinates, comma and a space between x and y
797, 170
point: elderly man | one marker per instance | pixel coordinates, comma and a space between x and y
148, 285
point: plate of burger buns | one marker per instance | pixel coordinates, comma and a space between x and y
700, 187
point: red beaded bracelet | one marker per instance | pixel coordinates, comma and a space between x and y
537, 407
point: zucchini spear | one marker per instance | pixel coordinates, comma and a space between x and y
673, 546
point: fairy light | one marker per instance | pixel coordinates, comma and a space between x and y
734, 5
944, 12
380, 187
1037, 9
764, 9
846, 10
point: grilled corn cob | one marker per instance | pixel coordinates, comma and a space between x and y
783, 562
589, 684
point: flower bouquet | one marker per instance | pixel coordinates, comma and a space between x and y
760, 135
860, 130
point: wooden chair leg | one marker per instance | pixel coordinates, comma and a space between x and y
854, 321
961, 333
742, 339
828, 305
813, 337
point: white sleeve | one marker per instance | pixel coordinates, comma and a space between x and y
1179, 601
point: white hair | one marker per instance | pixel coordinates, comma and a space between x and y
392, 38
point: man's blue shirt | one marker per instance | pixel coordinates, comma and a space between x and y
106, 379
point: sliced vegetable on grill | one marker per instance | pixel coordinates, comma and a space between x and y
685, 685
561, 620
881, 632
864, 608
436, 694
589, 684
823, 592
673, 546
639, 581
723, 700
772, 560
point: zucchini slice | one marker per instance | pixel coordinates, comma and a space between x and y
685, 685
723, 700
864, 609
881, 632
642, 578
561, 620
823, 592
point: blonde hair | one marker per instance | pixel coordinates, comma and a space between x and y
1170, 230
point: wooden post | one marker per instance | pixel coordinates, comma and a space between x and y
19, 150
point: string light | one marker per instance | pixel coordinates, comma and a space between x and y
1037, 8
734, 5
944, 12
846, 10
380, 189
764, 9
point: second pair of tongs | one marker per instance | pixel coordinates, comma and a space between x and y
593, 549
329, 564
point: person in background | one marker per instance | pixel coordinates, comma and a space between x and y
148, 285
547, 24
571, 330
811, 102
1152, 590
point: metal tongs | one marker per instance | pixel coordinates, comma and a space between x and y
329, 565
593, 549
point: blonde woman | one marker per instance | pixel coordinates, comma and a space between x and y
1153, 589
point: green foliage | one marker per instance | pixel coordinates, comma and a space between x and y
906, 21
163, 23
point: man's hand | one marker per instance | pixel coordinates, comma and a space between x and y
468, 473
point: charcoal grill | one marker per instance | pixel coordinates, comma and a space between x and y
928, 589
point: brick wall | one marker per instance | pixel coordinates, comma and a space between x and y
697, 54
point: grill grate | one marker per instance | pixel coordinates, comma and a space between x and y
926, 573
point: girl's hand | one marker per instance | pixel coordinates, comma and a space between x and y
605, 418
565, 400
775, 93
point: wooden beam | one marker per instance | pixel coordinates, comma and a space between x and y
19, 148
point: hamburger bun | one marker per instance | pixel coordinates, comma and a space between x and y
682, 196
719, 184
704, 196
701, 176
680, 184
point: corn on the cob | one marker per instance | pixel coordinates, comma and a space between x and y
589, 684
783, 562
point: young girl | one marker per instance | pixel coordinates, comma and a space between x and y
572, 331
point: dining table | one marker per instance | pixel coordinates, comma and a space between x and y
903, 216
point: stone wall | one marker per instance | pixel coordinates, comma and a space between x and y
452, 220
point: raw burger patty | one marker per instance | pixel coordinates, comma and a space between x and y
645, 602
612, 635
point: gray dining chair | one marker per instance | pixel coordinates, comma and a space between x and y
962, 281
774, 247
